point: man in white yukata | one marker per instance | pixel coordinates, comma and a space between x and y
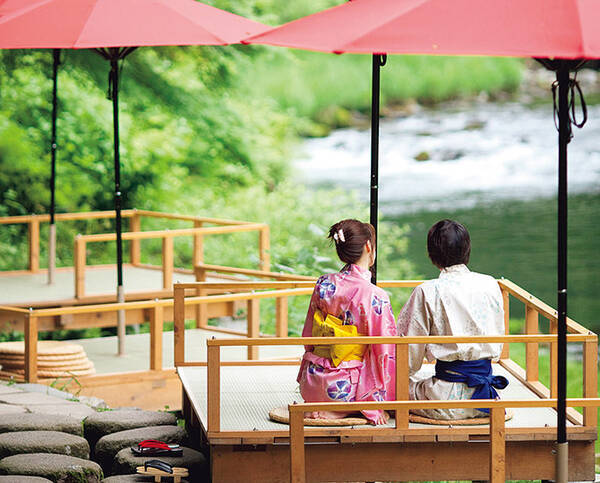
459, 302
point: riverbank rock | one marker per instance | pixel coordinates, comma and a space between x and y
43, 442
108, 422
108, 446
55, 467
40, 422
126, 463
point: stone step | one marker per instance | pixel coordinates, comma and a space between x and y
23, 479
108, 446
126, 463
43, 442
108, 422
40, 422
55, 467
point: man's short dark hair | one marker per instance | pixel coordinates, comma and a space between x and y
448, 243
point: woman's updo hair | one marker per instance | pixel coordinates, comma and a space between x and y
350, 237
448, 243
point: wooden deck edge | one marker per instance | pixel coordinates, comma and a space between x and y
574, 416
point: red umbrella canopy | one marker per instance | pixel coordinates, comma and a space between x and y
118, 23
521, 28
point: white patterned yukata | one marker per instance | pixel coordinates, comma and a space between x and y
459, 302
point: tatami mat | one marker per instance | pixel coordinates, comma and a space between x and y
248, 393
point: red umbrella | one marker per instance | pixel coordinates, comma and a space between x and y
78, 24
546, 29
530, 28
115, 28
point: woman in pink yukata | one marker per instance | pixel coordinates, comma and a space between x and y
350, 296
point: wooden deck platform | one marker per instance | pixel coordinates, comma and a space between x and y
249, 443
25, 289
102, 351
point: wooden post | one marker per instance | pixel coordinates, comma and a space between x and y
263, 248
179, 325
531, 349
135, 224
213, 362
167, 261
201, 309
79, 266
553, 361
34, 245
590, 380
497, 446
198, 250
281, 317
402, 384
156, 338
31, 342
297, 458
506, 306
253, 309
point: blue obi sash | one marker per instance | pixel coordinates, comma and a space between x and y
477, 374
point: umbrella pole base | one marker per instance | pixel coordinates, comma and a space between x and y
121, 321
51, 253
562, 462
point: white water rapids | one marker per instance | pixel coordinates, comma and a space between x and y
488, 152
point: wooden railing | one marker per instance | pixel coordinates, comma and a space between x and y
497, 431
402, 405
135, 235
33, 228
167, 237
529, 375
156, 311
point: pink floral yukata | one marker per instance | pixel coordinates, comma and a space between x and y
350, 296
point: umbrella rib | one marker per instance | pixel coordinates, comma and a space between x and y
219, 39
580, 30
376, 27
17, 13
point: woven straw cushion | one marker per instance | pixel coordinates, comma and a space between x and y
414, 418
281, 415
45, 347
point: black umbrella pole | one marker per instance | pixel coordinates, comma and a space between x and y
562, 76
374, 194
52, 230
120, 293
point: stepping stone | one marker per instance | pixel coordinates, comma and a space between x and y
108, 446
126, 463
40, 422
130, 478
55, 467
11, 409
43, 442
72, 409
107, 422
29, 398
23, 479
9, 389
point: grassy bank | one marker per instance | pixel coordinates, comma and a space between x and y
331, 90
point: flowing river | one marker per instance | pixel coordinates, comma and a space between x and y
492, 167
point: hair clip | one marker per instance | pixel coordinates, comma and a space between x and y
335, 237
341, 235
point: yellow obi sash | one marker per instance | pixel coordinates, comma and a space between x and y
334, 327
